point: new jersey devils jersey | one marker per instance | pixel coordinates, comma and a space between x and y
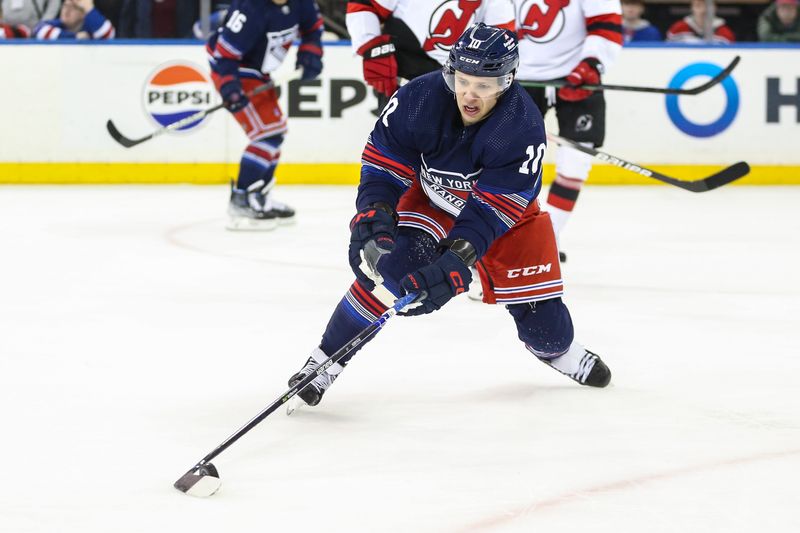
484, 175
555, 35
436, 24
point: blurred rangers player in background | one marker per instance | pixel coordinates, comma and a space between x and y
252, 42
576, 40
449, 179
408, 38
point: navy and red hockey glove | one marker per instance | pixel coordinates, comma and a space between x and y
380, 64
586, 73
309, 57
233, 97
446, 277
372, 233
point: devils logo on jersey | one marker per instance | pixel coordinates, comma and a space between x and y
541, 21
448, 22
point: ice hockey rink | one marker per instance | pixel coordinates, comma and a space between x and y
137, 334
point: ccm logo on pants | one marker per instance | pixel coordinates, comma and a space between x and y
529, 271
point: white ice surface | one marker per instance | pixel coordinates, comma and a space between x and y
136, 334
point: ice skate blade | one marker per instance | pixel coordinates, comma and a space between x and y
250, 224
288, 221
294, 404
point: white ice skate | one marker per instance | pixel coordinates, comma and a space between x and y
312, 394
578, 364
254, 209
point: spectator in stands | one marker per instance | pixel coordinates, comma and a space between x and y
634, 27
78, 20
158, 19
12, 31
780, 23
29, 12
691, 28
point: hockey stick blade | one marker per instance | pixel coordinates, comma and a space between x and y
121, 139
724, 73
723, 177
201, 481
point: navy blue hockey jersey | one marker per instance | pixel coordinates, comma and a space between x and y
257, 34
483, 175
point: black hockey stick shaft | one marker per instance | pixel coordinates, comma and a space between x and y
127, 142
348, 348
660, 90
723, 177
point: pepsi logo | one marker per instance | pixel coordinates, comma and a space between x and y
175, 91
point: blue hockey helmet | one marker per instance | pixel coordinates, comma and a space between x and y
484, 51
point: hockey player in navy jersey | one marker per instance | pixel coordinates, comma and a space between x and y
449, 179
252, 42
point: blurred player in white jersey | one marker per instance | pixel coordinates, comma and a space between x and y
576, 40
408, 38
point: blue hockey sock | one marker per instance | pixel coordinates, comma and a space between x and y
545, 326
259, 161
355, 311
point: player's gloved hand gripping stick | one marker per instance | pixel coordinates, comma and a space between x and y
202, 479
372, 234
447, 277
127, 142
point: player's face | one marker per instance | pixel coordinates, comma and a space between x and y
71, 15
476, 96
787, 13
632, 12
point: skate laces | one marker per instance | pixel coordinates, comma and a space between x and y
322, 381
568, 363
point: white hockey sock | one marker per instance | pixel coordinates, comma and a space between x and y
319, 356
558, 217
568, 363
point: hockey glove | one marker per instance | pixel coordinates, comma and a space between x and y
438, 282
372, 233
309, 57
586, 73
233, 97
380, 64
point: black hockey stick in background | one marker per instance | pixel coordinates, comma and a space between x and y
723, 177
661, 90
127, 142
202, 479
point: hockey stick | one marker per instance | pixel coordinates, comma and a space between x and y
127, 142
723, 177
202, 479
661, 90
